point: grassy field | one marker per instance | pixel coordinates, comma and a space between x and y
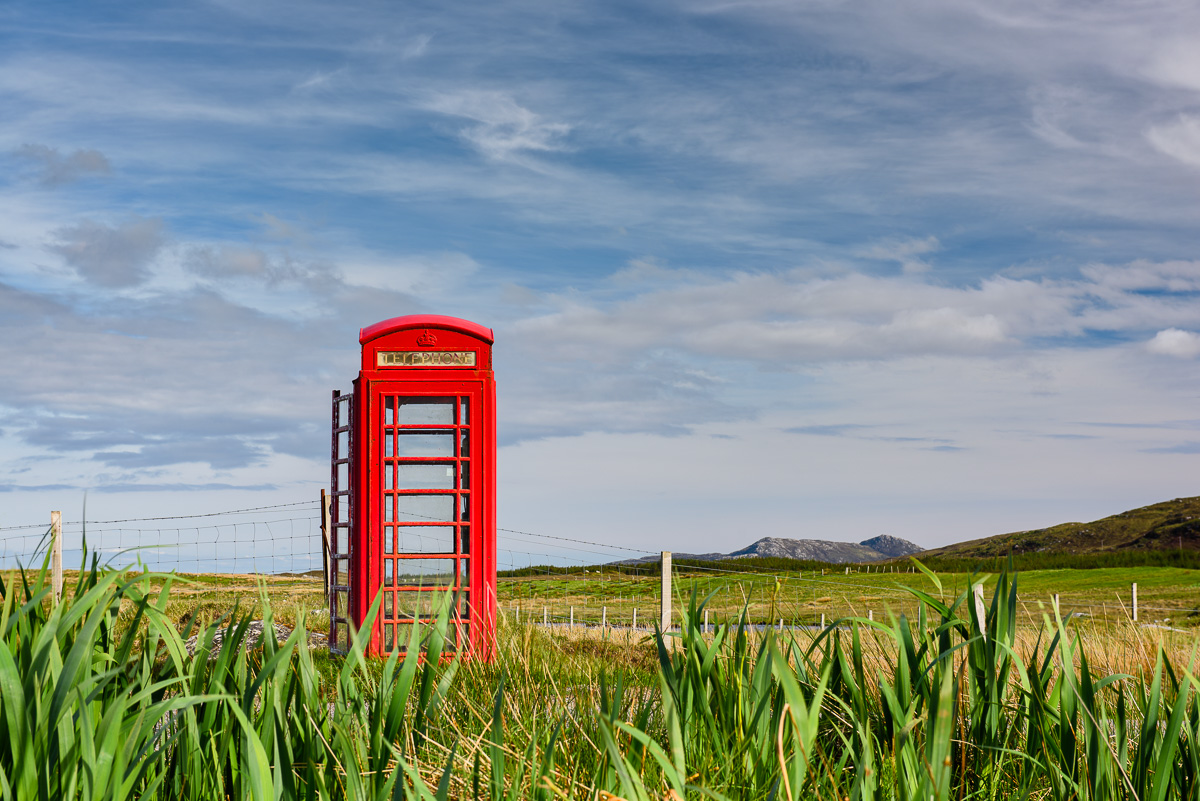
1167, 596
100, 698
1170, 596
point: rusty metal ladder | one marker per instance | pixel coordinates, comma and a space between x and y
341, 517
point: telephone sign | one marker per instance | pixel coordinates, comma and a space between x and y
419, 452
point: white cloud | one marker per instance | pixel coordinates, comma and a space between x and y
1174, 342
906, 252
504, 127
1172, 276
1179, 139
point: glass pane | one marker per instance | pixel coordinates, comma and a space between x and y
342, 571
425, 572
389, 538
426, 539
387, 572
464, 572
465, 477
342, 599
343, 444
389, 604
343, 472
426, 476
462, 411
464, 507
464, 448
425, 443
413, 604
427, 412
389, 411
343, 539
465, 539
464, 606
419, 508
389, 637
389, 508
404, 631
388, 449
343, 508
389, 474
343, 635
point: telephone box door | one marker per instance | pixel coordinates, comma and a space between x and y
426, 553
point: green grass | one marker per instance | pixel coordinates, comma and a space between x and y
99, 699
1101, 595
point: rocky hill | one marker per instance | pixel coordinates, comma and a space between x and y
1161, 526
875, 549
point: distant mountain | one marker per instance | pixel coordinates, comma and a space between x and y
888, 545
1161, 526
875, 549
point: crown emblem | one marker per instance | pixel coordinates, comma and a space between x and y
427, 340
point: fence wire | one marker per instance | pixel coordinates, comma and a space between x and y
542, 578
283, 539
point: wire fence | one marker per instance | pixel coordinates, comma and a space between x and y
543, 579
282, 539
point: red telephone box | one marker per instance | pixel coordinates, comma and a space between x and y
418, 445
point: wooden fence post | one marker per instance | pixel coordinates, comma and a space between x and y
635, 617
1133, 588
326, 548
56, 580
664, 618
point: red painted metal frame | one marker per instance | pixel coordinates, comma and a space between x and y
374, 384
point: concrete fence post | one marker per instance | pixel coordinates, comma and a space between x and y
1133, 590
635, 617
980, 613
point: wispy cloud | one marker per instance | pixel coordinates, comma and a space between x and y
906, 252
503, 128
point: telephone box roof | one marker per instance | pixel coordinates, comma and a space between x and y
377, 330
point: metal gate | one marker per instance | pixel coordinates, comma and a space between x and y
340, 520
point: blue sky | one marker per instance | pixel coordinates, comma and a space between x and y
827, 269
